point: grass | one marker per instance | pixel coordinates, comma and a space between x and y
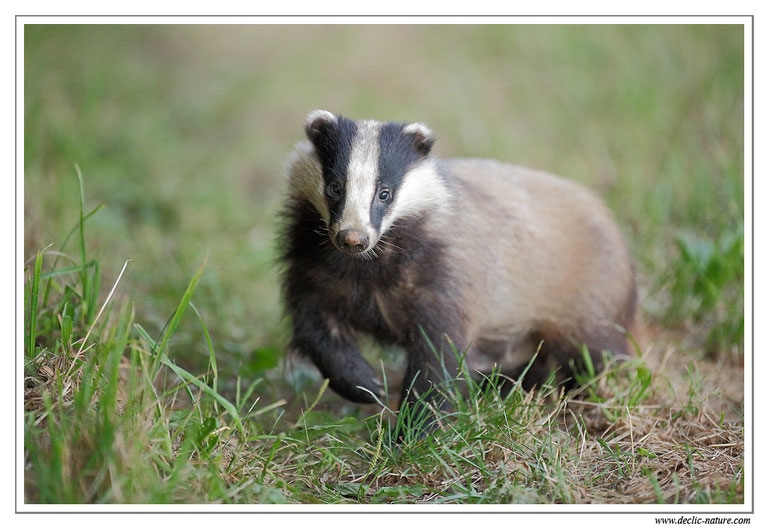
117, 420
169, 384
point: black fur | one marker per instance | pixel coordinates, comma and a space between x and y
422, 144
398, 152
331, 298
333, 141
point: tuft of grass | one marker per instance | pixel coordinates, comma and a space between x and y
102, 422
705, 288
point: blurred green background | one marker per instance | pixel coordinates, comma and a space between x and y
181, 131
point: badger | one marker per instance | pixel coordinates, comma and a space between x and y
436, 256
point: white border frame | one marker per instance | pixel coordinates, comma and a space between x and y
704, 510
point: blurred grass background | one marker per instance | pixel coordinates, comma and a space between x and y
181, 131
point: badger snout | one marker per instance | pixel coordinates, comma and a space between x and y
352, 241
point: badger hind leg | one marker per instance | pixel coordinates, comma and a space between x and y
563, 355
568, 353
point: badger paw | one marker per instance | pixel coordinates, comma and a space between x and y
358, 382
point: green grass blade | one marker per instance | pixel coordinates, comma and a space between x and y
188, 377
77, 226
33, 296
108, 401
84, 274
242, 400
312, 406
145, 335
61, 249
176, 318
211, 353
67, 270
93, 291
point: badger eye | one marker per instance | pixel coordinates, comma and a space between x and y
333, 189
384, 195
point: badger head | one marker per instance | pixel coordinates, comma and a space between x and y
364, 176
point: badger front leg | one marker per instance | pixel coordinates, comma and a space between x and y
432, 374
334, 350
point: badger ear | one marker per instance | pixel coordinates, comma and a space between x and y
318, 123
422, 137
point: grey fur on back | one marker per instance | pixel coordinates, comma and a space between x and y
535, 251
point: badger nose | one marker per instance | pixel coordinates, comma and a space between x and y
352, 240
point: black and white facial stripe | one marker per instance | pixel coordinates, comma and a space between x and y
399, 151
371, 172
333, 140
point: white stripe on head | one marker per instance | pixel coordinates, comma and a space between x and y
306, 177
362, 174
422, 190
